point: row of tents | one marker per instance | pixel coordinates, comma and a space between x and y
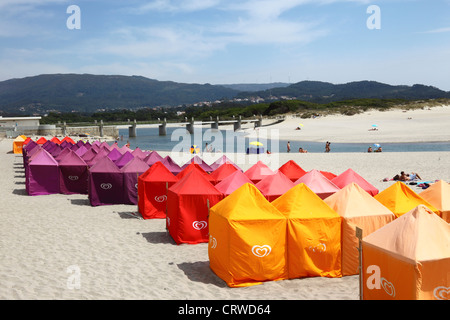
266, 225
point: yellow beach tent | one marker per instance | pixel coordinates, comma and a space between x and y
438, 194
357, 208
399, 198
314, 234
247, 242
18, 144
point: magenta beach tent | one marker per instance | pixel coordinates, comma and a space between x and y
89, 154
62, 154
139, 153
171, 165
124, 159
105, 185
114, 154
152, 158
318, 183
196, 159
73, 174
81, 150
102, 153
42, 174
131, 172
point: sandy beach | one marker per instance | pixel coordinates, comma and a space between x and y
118, 256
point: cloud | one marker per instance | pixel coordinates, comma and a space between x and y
440, 30
175, 6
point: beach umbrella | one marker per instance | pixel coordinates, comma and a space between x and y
256, 143
376, 145
194, 149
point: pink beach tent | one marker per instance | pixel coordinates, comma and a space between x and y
152, 158
350, 176
318, 183
43, 174
124, 159
73, 174
131, 171
222, 172
223, 159
171, 165
258, 171
197, 160
139, 153
105, 185
233, 182
274, 185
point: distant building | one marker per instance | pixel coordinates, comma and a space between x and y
19, 122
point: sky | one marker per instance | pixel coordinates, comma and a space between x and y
399, 42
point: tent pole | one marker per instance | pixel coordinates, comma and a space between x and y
360, 267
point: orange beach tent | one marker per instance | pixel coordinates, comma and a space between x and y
399, 198
18, 144
314, 234
358, 209
247, 242
408, 259
438, 194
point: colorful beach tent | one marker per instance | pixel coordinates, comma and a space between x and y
18, 144
89, 154
68, 139
223, 159
292, 170
194, 166
73, 174
139, 153
55, 140
41, 140
438, 195
171, 165
199, 161
124, 159
358, 209
152, 190
233, 182
314, 234
350, 176
43, 174
329, 175
408, 259
222, 172
399, 198
258, 171
105, 185
114, 154
188, 203
153, 157
131, 171
318, 183
247, 243
274, 185
102, 153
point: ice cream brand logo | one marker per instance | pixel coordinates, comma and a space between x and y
320, 248
261, 251
160, 198
106, 186
212, 242
442, 293
199, 225
375, 281
73, 178
388, 287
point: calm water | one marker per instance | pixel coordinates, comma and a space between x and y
178, 139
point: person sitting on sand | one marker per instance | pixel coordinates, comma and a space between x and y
370, 149
379, 150
301, 150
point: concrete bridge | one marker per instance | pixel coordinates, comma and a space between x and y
132, 132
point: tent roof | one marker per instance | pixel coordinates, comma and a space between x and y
194, 166
317, 182
329, 175
275, 184
104, 164
158, 172
114, 154
152, 158
197, 160
246, 203
136, 164
19, 139
258, 171
194, 183
399, 198
72, 159
350, 176
171, 165
139, 153
223, 171
353, 201
41, 140
125, 158
223, 159
43, 158
102, 153
64, 152
68, 139
419, 235
292, 170
55, 140
232, 182
302, 203
438, 194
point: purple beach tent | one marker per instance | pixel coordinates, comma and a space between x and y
105, 184
89, 154
124, 159
139, 153
102, 153
81, 150
43, 172
114, 154
171, 165
131, 171
196, 159
152, 158
73, 174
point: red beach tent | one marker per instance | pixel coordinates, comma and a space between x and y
68, 139
41, 140
258, 171
292, 170
274, 185
222, 172
223, 159
188, 203
73, 174
199, 161
318, 183
350, 176
131, 171
153, 185
194, 166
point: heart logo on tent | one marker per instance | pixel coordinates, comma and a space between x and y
160, 198
261, 251
106, 186
320, 248
388, 287
212, 242
199, 225
442, 293
168, 221
73, 178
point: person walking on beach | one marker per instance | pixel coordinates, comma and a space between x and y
327, 147
288, 147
